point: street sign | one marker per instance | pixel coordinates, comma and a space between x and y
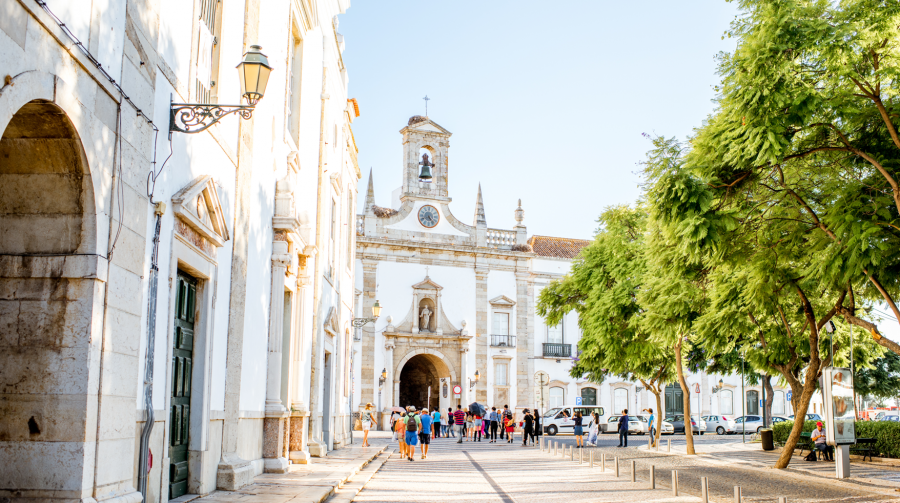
578, 400
541, 389
457, 390
697, 388
762, 403
790, 395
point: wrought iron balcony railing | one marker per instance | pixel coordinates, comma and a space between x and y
508, 341
554, 350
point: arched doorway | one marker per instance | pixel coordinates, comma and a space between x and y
418, 374
49, 316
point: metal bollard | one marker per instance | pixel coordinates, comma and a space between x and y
555, 448
704, 489
580, 456
669, 445
591, 456
737, 494
603, 462
617, 466
657, 446
652, 477
572, 453
674, 482
633, 472
782, 499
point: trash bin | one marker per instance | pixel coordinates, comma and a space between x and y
768, 442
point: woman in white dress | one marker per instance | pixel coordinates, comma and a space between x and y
367, 420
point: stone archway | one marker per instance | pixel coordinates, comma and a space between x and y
416, 372
53, 272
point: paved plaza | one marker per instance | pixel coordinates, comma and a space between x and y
483, 472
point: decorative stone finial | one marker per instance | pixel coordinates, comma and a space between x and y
520, 213
480, 220
370, 196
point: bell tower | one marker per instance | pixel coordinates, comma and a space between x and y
421, 137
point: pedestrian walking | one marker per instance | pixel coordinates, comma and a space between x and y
579, 430
537, 428
400, 432
459, 418
470, 425
425, 432
413, 426
450, 422
478, 422
623, 429
502, 426
652, 426
528, 428
367, 421
436, 420
593, 429
510, 427
495, 423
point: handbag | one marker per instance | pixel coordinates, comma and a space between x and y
357, 425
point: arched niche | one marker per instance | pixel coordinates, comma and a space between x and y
427, 307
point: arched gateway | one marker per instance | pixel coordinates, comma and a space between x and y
419, 370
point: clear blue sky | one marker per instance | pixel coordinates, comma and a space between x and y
546, 100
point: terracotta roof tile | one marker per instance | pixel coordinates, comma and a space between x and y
547, 246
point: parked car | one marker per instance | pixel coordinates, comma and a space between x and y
891, 418
678, 424
752, 424
886, 416
665, 429
719, 424
809, 417
559, 419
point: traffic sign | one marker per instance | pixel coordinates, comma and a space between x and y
762, 403
457, 390
697, 388
578, 400
790, 395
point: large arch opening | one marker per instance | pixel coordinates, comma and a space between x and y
48, 316
418, 374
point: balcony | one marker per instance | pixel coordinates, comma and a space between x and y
503, 341
553, 350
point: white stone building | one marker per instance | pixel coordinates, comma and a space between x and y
249, 225
457, 299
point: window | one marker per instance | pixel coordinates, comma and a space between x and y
620, 395
555, 334
588, 396
726, 402
500, 325
752, 402
778, 403
557, 397
502, 378
207, 51
294, 76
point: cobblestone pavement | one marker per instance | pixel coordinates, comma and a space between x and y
482, 472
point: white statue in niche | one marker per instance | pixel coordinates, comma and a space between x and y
425, 315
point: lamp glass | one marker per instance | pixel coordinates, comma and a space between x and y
477, 376
384, 373
253, 73
376, 309
721, 383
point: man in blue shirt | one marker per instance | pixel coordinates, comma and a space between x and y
623, 429
425, 432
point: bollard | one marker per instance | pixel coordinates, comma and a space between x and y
668, 445
617, 466
652, 477
572, 453
782, 499
704, 489
555, 448
603, 462
633, 472
674, 482
580, 456
737, 494
591, 456
657, 446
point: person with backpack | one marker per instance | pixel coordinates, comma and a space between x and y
509, 422
579, 430
450, 423
528, 428
477, 421
502, 425
495, 423
413, 426
425, 421
459, 419
400, 432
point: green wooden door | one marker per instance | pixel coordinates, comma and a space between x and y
182, 363
674, 400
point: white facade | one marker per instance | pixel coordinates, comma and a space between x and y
254, 219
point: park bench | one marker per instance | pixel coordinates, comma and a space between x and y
866, 446
805, 442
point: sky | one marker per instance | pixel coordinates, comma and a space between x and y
546, 100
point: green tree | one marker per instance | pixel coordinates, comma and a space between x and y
602, 287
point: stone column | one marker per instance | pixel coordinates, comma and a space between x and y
524, 339
387, 389
368, 380
274, 422
464, 373
481, 333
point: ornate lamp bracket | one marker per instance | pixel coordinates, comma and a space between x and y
196, 117
359, 322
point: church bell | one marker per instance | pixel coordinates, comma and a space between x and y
426, 173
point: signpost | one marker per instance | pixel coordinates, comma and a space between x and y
578, 400
840, 416
541, 390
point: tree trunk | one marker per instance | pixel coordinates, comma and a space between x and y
686, 398
799, 417
770, 397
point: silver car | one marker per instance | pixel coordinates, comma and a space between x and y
719, 424
753, 424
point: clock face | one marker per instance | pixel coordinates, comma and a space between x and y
429, 216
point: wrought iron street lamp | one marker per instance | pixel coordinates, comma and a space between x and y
253, 71
473, 381
383, 377
719, 388
376, 312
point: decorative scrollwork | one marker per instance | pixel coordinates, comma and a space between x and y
358, 322
196, 117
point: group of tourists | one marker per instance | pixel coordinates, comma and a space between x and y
413, 427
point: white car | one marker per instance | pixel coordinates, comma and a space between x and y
719, 424
559, 419
753, 424
666, 428
638, 424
